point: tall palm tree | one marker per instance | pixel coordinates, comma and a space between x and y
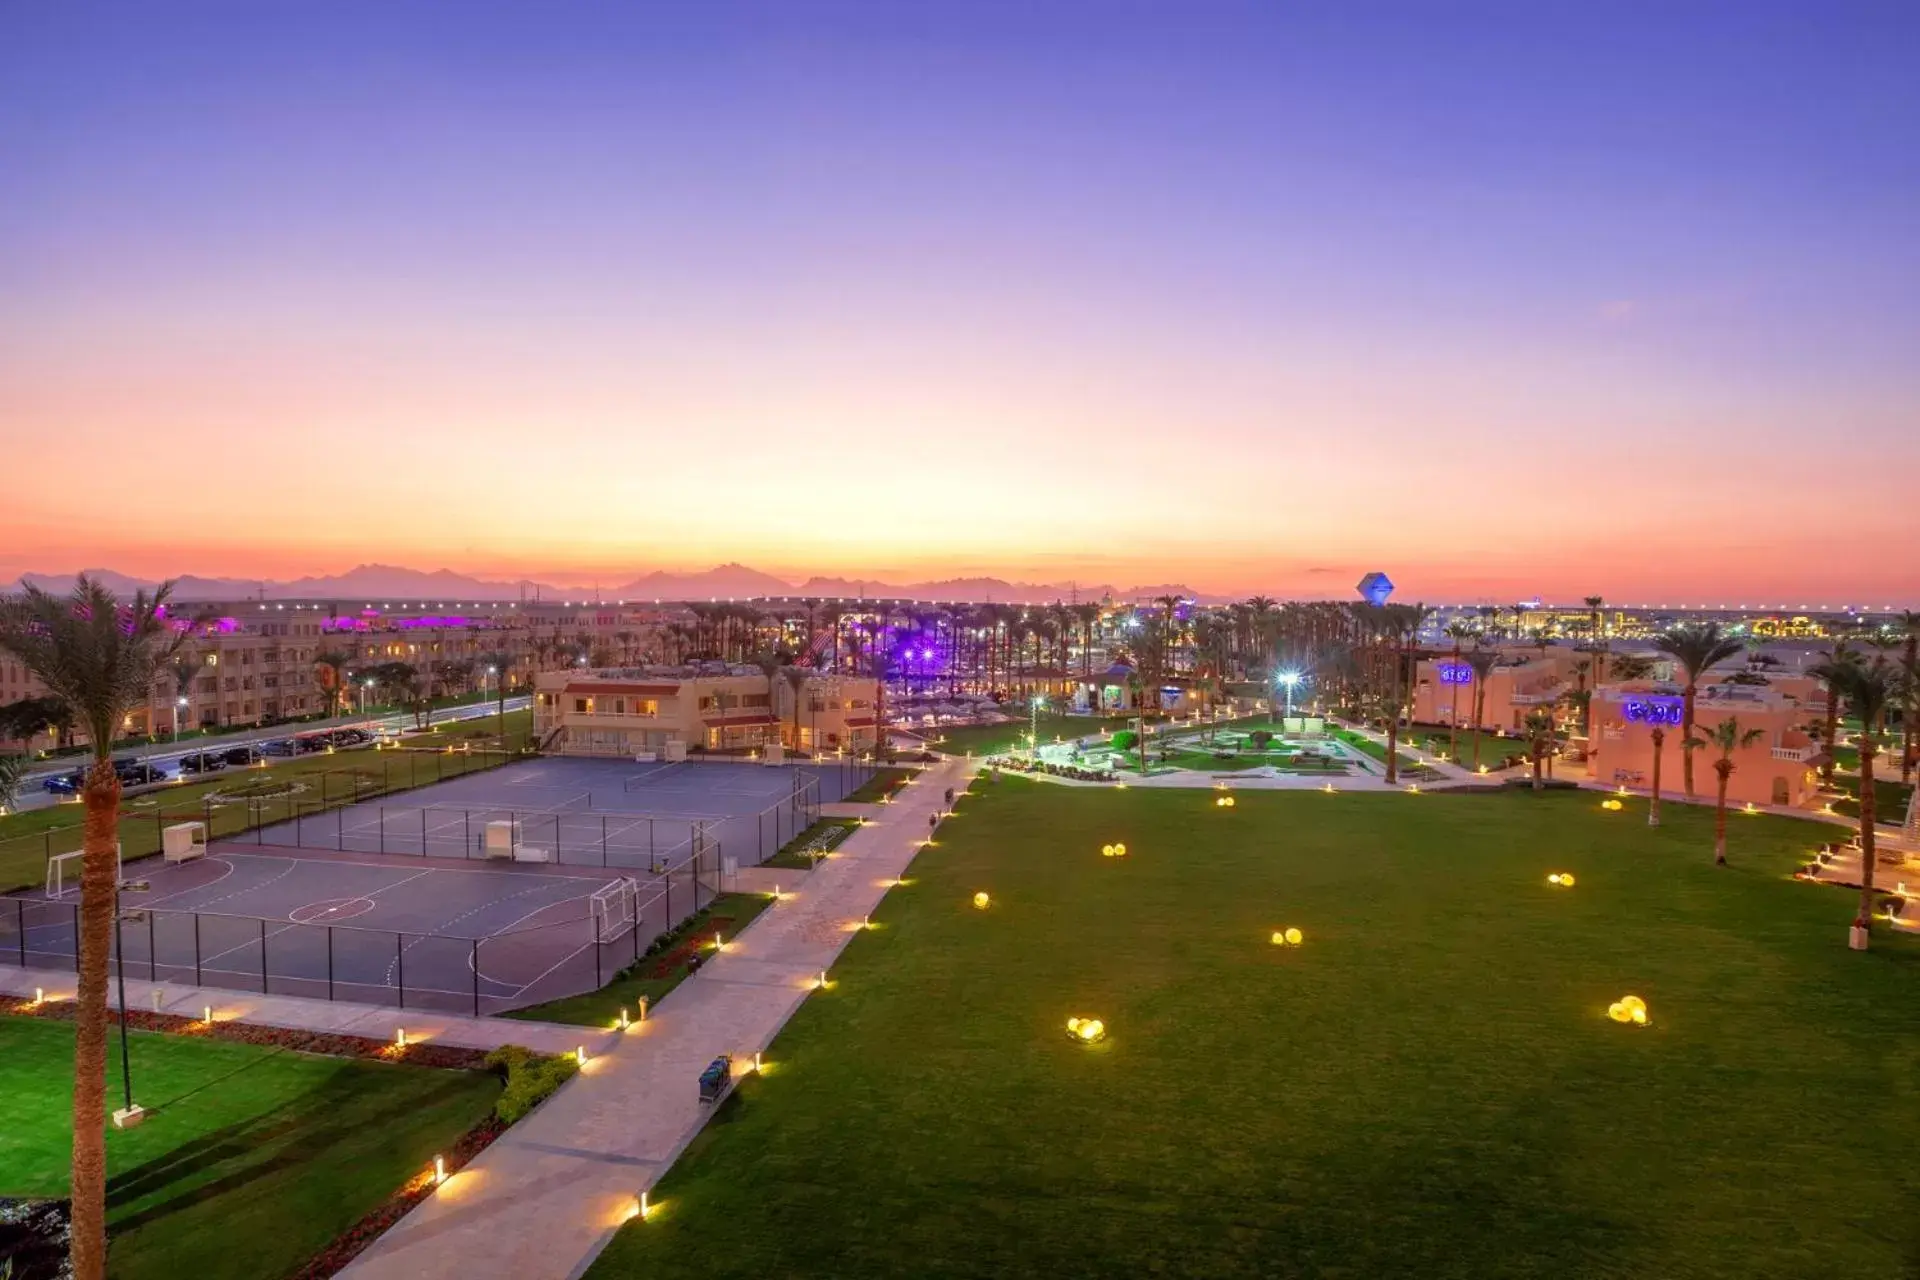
1869, 689
1594, 605
1403, 623
796, 678
1697, 647
185, 667
1482, 661
1840, 658
500, 663
1456, 632
1728, 737
1910, 699
97, 657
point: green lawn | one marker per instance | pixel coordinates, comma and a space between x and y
1890, 798
1410, 769
252, 1160
1493, 748
884, 782
985, 739
1430, 1086
653, 976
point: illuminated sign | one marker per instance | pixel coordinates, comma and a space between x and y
1658, 711
1455, 673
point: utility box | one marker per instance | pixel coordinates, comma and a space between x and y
675, 752
183, 842
773, 753
502, 837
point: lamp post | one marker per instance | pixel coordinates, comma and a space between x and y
1033, 733
1287, 680
179, 709
120, 963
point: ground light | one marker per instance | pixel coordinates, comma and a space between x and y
399, 1035
1613, 806
1562, 878
1113, 851
1086, 1030
981, 900
40, 993
1629, 1009
1288, 937
640, 1208
439, 1170
625, 1022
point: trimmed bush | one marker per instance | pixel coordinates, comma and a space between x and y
1125, 740
1260, 738
531, 1078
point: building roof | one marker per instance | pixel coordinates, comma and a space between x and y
729, 722
602, 686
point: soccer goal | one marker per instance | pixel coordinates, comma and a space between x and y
58, 883
613, 909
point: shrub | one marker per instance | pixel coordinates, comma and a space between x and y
1125, 740
1260, 738
530, 1077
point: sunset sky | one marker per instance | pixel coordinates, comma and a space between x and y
1503, 299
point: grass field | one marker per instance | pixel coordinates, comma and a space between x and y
26, 838
985, 739
654, 976
254, 1158
884, 781
1890, 798
1429, 1086
792, 856
1493, 748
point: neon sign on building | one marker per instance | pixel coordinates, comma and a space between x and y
1656, 711
1455, 673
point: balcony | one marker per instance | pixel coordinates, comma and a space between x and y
1798, 755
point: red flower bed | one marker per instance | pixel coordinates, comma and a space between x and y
331, 1043
665, 962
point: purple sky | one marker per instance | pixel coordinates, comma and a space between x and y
1614, 298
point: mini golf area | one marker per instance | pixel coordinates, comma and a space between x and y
1430, 1084
394, 903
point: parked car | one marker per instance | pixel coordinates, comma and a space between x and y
204, 762
137, 774
351, 738
241, 756
311, 743
277, 747
65, 784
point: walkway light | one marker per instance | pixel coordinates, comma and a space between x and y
1087, 1030
1629, 1009
439, 1170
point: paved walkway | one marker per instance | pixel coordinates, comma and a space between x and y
542, 1202
376, 1022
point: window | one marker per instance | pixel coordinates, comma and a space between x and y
581, 705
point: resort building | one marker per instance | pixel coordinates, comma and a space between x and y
1780, 767
1523, 680
666, 711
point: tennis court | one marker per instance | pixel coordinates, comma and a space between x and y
614, 814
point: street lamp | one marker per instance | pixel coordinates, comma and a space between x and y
1287, 680
1033, 734
179, 709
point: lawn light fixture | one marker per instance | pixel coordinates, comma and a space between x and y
821, 981
981, 901
756, 1062
625, 1021
39, 995
1113, 851
640, 1208
1612, 806
580, 1055
1223, 802
1086, 1030
1562, 878
1750, 809
1326, 788
439, 1170
399, 1037
719, 943
1413, 788
206, 1016
1629, 1009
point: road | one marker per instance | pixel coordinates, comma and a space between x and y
32, 795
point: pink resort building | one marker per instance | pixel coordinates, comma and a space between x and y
1525, 678
1778, 768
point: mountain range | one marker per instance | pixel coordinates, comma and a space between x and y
380, 582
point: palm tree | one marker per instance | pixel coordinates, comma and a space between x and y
1910, 701
12, 770
1659, 736
1594, 604
185, 667
1456, 632
1727, 736
1840, 658
796, 678
1403, 623
499, 663
1482, 661
335, 663
1539, 726
1869, 690
98, 658
1697, 647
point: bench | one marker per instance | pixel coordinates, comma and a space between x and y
716, 1079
